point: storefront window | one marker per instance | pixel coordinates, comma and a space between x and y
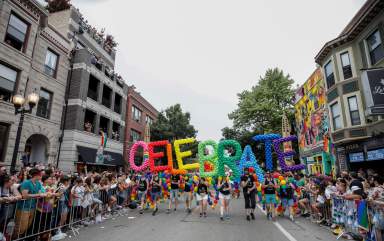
4, 130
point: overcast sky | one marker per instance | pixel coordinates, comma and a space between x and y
201, 53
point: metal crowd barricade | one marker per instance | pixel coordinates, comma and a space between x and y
376, 217
40, 218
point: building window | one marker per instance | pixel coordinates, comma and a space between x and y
107, 94
4, 131
375, 47
93, 88
354, 110
135, 136
346, 65
104, 125
89, 121
116, 131
8, 79
16, 32
148, 120
44, 105
329, 75
136, 114
336, 116
50, 65
117, 105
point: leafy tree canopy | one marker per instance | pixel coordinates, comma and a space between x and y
261, 108
172, 124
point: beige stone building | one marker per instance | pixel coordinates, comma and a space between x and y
33, 58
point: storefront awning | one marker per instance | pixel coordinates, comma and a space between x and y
88, 155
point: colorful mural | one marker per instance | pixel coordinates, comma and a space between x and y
312, 124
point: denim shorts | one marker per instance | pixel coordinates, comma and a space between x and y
141, 194
270, 199
286, 202
155, 196
174, 194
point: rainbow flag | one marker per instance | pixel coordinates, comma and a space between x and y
104, 139
362, 215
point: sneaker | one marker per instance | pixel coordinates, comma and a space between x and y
189, 210
248, 218
227, 217
205, 215
174, 209
291, 217
141, 211
253, 216
201, 215
168, 211
221, 218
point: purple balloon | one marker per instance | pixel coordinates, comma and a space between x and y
281, 155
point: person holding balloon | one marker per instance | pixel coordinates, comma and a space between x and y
175, 184
287, 197
188, 196
155, 191
202, 196
270, 195
249, 192
224, 188
142, 188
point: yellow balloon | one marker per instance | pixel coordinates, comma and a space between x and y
283, 182
182, 154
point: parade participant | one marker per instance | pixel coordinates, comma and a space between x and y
202, 196
142, 188
249, 192
155, 191
188, 196
270, 195
175, 183
287, 196
225, 196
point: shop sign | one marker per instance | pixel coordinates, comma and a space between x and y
375, 154
356, 157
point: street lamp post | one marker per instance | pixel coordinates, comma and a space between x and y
18, 101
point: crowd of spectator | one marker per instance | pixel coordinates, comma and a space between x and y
38, 202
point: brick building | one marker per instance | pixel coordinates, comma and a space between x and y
33, 58
140, 113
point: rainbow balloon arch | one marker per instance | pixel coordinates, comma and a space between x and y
218, 159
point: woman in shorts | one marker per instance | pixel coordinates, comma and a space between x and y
202, 196
224, 196
142, 188
155, 191
188, 196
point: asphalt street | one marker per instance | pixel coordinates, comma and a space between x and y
180, 226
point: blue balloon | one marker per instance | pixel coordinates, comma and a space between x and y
267, 139
248, 159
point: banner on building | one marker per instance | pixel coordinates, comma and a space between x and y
373, 86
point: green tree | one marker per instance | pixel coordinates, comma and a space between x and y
172, 124
260, 109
